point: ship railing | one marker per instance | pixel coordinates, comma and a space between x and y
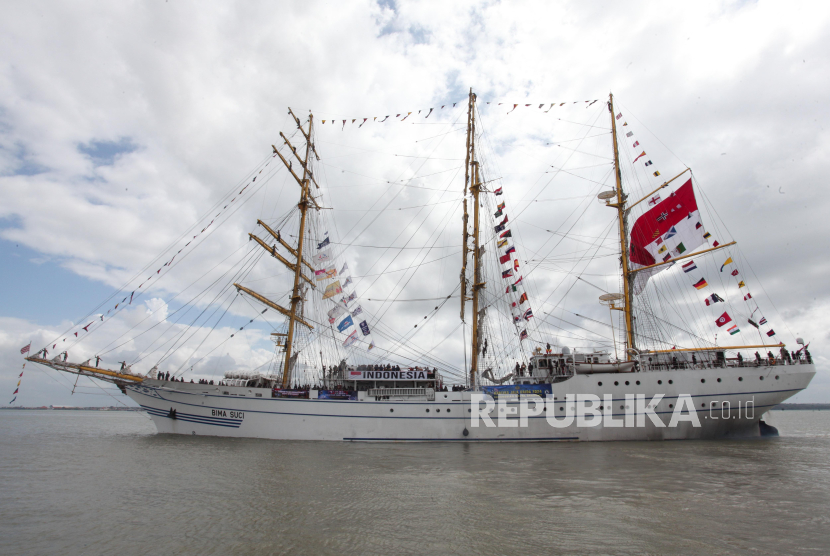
725, 364
386, 393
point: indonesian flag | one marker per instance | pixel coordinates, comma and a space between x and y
671, 223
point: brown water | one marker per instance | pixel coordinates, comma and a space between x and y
105, 483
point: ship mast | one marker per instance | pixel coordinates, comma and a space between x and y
473, 178
466, 233
623, 222
303, 206
306, 200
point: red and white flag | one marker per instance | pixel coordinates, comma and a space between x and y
654, 200
670, 223
25, 349
747, 297
723, 319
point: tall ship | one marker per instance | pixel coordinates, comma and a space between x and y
632, 319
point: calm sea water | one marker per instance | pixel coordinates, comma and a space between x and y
105, 483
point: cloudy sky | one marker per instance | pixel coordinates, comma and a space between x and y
123, 125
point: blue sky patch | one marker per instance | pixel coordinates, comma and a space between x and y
104, 153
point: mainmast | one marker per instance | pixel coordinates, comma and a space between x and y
472, 177
466, 233
623, 222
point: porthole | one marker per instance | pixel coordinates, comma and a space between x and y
622, 407
671, 382
702, 380
626, 383
437, 411
616, 383
545, 408
391, 410
740, 378
760, 377
448, 411
637, 383
601, 408
469, 411
713, 404
427, 410
561, 409
718, 380
659, 382
776, 377
671, 405
599, 383
703, 405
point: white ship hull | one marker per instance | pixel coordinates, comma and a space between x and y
207, 410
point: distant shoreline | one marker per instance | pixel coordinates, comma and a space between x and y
779, 407
69, 408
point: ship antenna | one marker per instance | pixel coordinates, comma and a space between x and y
623, 221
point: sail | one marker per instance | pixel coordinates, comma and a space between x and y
668, 230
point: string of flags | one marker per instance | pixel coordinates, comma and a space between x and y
128, 299
646, 163
403, 116
725, 319
518, 312
342, 306
24, 350
673, 227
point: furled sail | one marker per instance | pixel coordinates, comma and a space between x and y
668, 230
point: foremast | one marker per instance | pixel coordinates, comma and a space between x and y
306, 201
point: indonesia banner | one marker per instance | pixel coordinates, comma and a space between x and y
668, 230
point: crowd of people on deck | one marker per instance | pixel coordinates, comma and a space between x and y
784, 358
524, 369
167, 378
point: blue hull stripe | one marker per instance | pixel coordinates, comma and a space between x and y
540, 439
191, 418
